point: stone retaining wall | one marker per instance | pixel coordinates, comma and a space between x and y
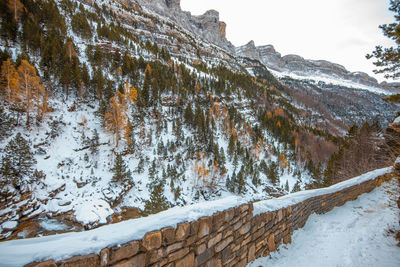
233, 237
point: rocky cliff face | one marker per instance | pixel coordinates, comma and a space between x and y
207, 26
298, 65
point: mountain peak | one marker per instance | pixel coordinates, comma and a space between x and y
303, 67
207, 26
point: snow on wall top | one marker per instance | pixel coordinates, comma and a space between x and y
292, 199
62, 246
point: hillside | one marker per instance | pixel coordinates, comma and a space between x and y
112, 110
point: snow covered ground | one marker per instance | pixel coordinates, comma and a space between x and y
356, 234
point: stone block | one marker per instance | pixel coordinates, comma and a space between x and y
214, 240
252, 253
213, 263
204, 257
182, 231
257, 234
190, 240
168, 235
187, 261
194, 227
137, 261
91, 260
200, 249
153, 256
204, 227
229, 214
241, 263
218, 220
223, 244
271, 243
178, 254
287, 239
173, 247
227, 255
104, 257
152, 240
245, 228
244, 208
124, 252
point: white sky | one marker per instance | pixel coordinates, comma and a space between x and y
341, 31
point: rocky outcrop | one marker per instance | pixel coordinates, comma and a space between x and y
303, 67
207, 26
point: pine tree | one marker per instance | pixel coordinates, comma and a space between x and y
230, 183
287, 186
188, 114
17, 162
388, 59
94, 142
256, 179
273, 173
241, 182
6, 124
158, 202
297, 186
140, 165
145, 93
121, 173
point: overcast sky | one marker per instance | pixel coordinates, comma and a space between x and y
341, 31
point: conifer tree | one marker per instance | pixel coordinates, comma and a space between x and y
296, 187
287, 186
388, 59
6, 124
158, 202
188, 115
273, 173
241, 182
94, 142
145, 93
17, 162
121, 173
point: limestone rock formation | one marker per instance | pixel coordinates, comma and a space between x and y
207, 26
303, 67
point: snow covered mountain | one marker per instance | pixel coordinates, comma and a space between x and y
140, 106
319, 70
329, 96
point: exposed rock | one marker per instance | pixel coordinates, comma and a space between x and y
391, 87
303, 67
207, 26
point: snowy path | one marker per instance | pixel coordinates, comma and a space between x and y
355, 234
